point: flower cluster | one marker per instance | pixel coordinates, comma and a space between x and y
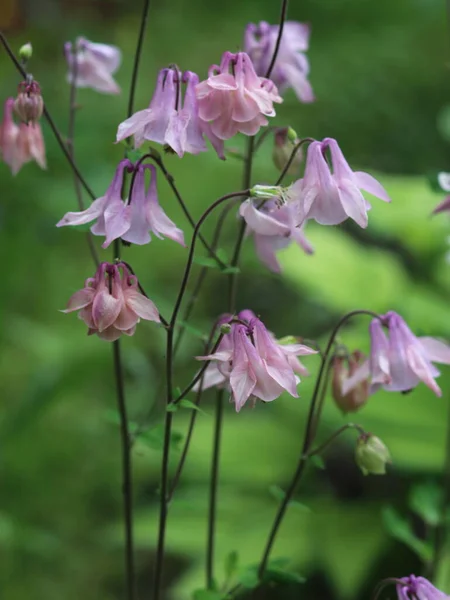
418, 588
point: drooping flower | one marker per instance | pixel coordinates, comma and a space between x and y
291, 68
400, 360
110, 303
343, 368
93, 65
29, 103
252, 363
234, 99
131, 220
273, 228
418, 588
372, 455
331, 197
168, 120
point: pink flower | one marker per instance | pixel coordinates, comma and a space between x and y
29, 103
331, 197
93, 65
273, 228
291, 67
112, 305
22, 143
418, 588
343, 369
168, 122
131, 220
252, 363
444, 182
400, 360
234, 99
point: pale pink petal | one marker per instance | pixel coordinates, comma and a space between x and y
111, 334
353, 203
85, 216
369, 184
265, 249
360, 375
117, 221
436, 351
260, 222
132, 125
422, 369
127, 319
105, 310
79, 300
142, 306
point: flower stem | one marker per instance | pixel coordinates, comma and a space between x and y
213, 490
335, 435
291, 158
137, 56
283, 16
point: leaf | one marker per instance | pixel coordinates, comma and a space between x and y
277, 492
185, 403
173, 407
317, 461
401, 530
208, 595
231, 270
281, 576
154, 438
249, 578
222, 255
206, 261
134, 154
193, 330
426, 501
231, 564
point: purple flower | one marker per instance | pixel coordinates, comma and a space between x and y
418, 588
95, 65
166, 121
444, 182
330, 197
291, 67
253, 364
273, 228
131, 220
234, 99
400, 360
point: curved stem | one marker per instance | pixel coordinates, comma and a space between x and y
336, 434
283, 15
213, 490
137, 57
291, 158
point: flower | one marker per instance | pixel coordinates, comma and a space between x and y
111, 304
133, 220
331, 197
291, 67
273, 228
168, 122
22, 143
343, 369
29, 104
93, 65
444, 183
371, 455
418, 588
234, 99
399, 362
252, 363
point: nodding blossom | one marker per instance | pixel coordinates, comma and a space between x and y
93, 65
170, 120
291, 68
344, 367
398, 359
131, 220
110, 303
29, 103
20, 144
273, 228
418, 588
251, 362
330, 194
234, 99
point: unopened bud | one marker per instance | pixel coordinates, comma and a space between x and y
225, 328
268, 192
285, 140
371, 455
29, 103
26, 51
343, 369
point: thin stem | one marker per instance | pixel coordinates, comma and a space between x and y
267, 131
291, 158
307, 441
336, 434
50, 121
137, 57
213, 491
126, 472
283, 15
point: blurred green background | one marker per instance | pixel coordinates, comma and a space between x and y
381, 75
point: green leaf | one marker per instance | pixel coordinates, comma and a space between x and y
134, 154
231, 270
281, 576
317, 461
185, 403
277, 492
173, 407
401, 530
249, 578
231, 564
426, 501
208, 595
206, 261
222, 255
154, 438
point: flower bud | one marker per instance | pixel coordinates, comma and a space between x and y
225, 328
371, 455
343, 369
26, 51
29, 104
285, 140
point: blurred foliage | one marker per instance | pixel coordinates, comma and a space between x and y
380, 73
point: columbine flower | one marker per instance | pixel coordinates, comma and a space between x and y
343, 369
331, 197
418, 588
234, 99
167, 121
93, 65
291, 67
399, 362
29, 104
130, 220
111, 304
253, 364
273, 228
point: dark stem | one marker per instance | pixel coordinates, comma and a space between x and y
126, 472
213, 491
336, 434
283, 16
310, 429
137, 57
50, 121
291, 158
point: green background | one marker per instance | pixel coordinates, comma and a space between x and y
380, 71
